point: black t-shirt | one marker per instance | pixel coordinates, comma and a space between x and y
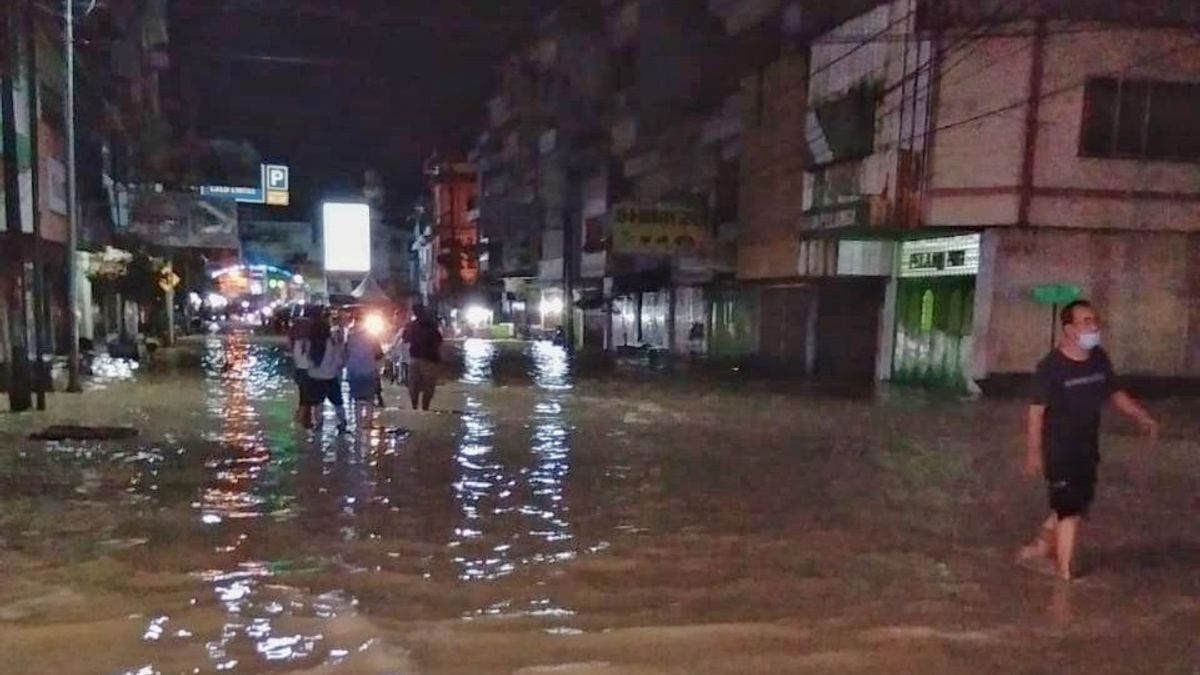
424, 340
1074, 393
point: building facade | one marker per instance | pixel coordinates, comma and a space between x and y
122, 46
1074, 158
447, 250
877, 190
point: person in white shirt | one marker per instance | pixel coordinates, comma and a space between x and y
322, 355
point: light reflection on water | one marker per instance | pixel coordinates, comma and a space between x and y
478, 356
507, 518
107, 369
257, 455
514, 517
551, 367
511, 491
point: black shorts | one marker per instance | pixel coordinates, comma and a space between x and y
364, 388
1071, 497
316, 392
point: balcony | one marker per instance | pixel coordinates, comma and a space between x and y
880, 191
864, 211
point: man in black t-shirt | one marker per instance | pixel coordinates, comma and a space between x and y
1072, 385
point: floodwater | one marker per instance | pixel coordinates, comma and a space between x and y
544, 523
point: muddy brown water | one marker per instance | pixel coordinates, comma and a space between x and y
549, 524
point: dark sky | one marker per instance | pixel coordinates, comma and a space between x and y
334, 86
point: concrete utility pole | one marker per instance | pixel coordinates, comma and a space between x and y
41, 375
19, 397
73, 383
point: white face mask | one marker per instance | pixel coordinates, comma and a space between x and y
1089, 340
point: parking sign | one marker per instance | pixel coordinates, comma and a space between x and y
277, 177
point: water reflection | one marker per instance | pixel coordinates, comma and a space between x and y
106, 369
551, 367
250, 477
233, 380
514, 517
478, 356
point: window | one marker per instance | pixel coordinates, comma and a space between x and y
848, 124
1141, 119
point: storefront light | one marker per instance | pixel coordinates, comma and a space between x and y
552, 306
217, 301
478, 316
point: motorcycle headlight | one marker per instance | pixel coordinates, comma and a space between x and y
374, 324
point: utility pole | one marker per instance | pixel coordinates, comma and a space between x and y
19, 398
571, 225
169, 299
73, 384
40, 325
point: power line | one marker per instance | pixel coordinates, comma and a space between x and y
972, 39
871, 39
1058, 91
969, 38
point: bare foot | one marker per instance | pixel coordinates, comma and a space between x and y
1039, 564
1034, 551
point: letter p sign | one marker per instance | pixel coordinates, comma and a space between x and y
277, 178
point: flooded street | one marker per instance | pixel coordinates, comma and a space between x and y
552, 524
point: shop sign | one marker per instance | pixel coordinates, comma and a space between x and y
658, 230
840, 216
272, 189
942, 257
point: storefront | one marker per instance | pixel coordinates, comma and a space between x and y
788, 327
935, 300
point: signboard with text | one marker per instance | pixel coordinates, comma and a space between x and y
941, 257
272, 189
658, 230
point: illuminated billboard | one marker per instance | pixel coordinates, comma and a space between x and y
346, 231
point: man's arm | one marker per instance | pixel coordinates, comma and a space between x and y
1128, 406
1035, 421
1125, 404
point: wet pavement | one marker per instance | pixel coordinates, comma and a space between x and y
548, 523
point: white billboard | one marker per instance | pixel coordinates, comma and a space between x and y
346, 230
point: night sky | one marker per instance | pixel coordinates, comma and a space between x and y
332, 87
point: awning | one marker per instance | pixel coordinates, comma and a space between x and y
369, 291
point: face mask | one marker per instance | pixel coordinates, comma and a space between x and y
1089, 340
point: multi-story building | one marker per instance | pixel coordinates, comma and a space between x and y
447, 249
899, 178
1068, 147
957, 171
122, 46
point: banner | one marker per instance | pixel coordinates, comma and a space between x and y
659, 230
185, 220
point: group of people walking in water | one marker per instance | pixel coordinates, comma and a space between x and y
324, 345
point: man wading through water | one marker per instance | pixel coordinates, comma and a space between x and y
1072, 385
424, 348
